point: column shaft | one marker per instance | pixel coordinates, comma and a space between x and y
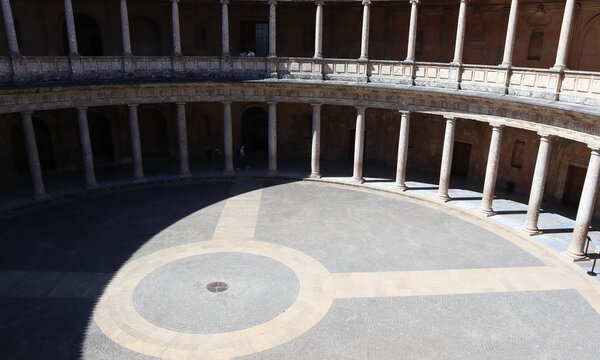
86, 149
586, 207
402, 150
71, 34
176, 32
136, 147
364, 44
228, 139
272, 29
125, 29
412, 31
359, 145
538, 185
565, 34
225, 27
39, 191
315, 153
460, 33
491, 171
319, 30
273, 138
9, 26
446, 166
184, 165
510, 33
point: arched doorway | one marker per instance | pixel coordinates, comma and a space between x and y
101, 138
44, 145
255, 131
146, 37
590, 51
153, 134
89, 36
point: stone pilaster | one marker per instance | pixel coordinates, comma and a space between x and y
184, 164
272, 138
402, 150
136, 146
86, 149
225, 28
585, 211
228, 139
125, 29
491, 172
39, 191
538, 184
364, 43
446, 166
9, 27
315, 153
359, 145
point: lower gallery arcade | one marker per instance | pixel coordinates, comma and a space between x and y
302, 135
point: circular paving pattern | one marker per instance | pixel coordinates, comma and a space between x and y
176, 296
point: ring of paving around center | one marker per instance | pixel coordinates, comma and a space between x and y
175, 296
123, 312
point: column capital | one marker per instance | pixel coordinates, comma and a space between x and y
595, 149
414, 2
316, 104
366, 2
404, 112
174, 1
319, 2
26, 113
496, 124
361, 108
544, 136
227, 102
271, 102
82, 108
133, 105
225, 2
272, 2
450, 118
180, 103
464, 1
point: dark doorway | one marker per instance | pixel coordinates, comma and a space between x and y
101, 138
153, 134
460, 159
146, 37
255, 130
89, 36
44, 145
574, 185
254, 36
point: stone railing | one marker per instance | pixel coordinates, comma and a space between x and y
576, 87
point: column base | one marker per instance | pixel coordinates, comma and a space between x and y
359, 180
531, 231
229, 172
41, 196
363, 58
444, 198
185, 175
273, 173
315, 176
91, 187
138, 180
487, 212
401, 187
578, 256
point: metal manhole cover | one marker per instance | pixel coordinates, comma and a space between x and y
217, 287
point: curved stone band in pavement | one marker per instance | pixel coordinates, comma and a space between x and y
117, 317
175, 296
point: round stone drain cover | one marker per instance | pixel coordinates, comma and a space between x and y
217, 286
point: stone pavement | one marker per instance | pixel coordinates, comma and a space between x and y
314, 270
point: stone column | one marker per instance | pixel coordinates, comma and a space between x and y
364, 44
359, 145
446, 166
565, 34
319, 30
315, 154
491, 171
184, 164
9, 26
136, 147
585, 211
272, 29
412, 31
71, 34
510, 34
228, 139
538, 184
402, 150
273, 138
225, 28
125, 29
86, 148
460, 33
176, 32
39, 192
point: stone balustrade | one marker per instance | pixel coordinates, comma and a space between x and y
575, 87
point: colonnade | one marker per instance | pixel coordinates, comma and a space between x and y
561, 54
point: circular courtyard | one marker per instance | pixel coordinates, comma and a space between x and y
271, 269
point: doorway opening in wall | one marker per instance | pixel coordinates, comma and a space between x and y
573, 185
153, 134
44, 146
460, 159
89, 36
255, 133
101, 138
254, 36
